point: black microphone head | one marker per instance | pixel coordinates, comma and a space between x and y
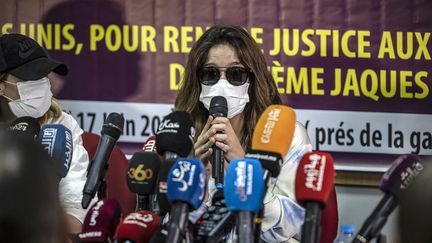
218, 107
142, 172
113, 125
401, 173
176, 134
27, 126
270, 161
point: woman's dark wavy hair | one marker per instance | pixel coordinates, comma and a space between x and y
262, 90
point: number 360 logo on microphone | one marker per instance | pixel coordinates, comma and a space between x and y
140, 174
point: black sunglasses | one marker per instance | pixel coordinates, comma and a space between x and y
235, 75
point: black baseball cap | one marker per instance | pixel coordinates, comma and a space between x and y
24, 58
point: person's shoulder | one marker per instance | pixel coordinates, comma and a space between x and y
300, 144
301, 136
66, 120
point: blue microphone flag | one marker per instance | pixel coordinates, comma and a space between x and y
244, 185
57, 141
187, 181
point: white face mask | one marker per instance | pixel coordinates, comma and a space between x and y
35, 98
237, 96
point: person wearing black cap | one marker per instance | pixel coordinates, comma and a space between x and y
25, 90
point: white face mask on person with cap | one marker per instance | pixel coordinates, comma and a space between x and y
35, 98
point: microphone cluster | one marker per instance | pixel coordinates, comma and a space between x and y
170, 185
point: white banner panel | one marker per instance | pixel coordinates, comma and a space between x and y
141, 119
368, 132
337, 131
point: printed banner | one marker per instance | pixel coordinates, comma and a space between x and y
340, 131
358, 73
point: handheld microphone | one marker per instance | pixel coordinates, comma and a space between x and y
57, 141
186, 190
244, 193
111, 131
141, 177
26, 126
313, 185
175, 135
218, 108
138, 227
101, 221
150, 144
397, 179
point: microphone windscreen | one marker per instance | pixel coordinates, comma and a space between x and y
187, 182
162, 185
142, 172
401, 173
113, 125
176, 133
275, 129
150, 144
244, 185
26, 125
138, 227
314, 178
101, 221
218, 107
272, 137
57, 141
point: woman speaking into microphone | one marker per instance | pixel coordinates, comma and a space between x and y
226, 61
